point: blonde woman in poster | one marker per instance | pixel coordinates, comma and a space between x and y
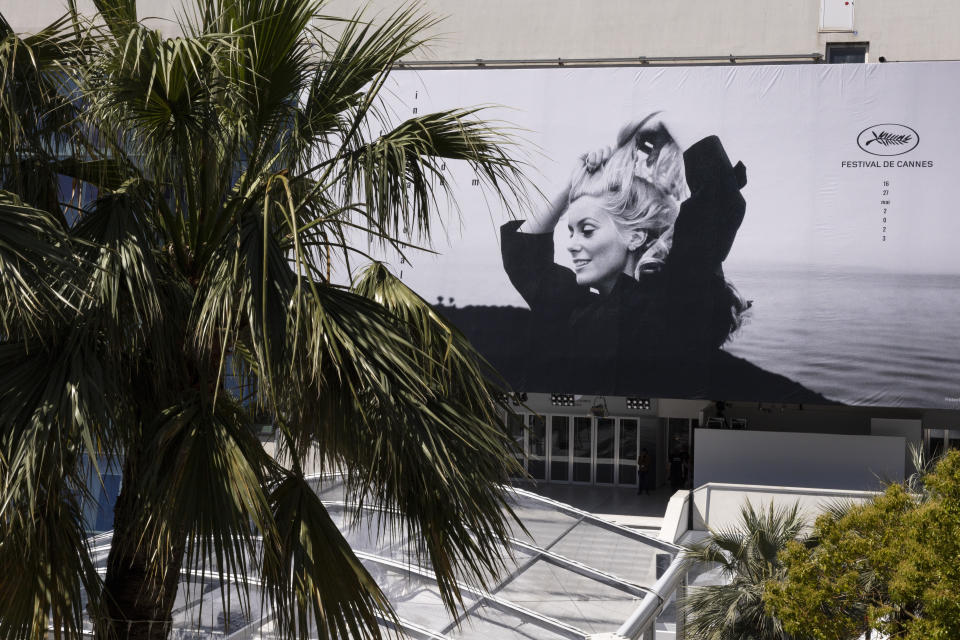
649, 226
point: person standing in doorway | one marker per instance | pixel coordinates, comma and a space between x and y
643, 467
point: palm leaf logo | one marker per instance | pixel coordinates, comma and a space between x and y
887, 139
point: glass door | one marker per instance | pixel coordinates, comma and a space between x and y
537, 447
627, 452
952, 438
604, 469
936, 442
519, 436
582, 449
678, 453
560, 448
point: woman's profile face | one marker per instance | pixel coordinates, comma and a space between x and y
599, 252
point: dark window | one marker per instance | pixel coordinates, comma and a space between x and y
843, 52
560, 448
537, 437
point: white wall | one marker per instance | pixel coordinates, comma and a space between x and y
797, 459
491, 29
910, 430
32, 15
504, 29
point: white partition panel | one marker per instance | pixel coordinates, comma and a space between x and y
825, 461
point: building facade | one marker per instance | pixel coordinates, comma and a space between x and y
623, 29
595, 438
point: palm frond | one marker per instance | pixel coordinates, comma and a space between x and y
923, 465
352, 359
222, 173
115, 238
205, 487
443, 469
47, 574
345, 87
34, 251
400, 174
268, 290
108, 174
360, 396
270, 51
317, 584
119, 15
444, 353
56, 399
157, 88
748, 554
837, 509
36, 110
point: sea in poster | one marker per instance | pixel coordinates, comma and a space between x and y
845, 248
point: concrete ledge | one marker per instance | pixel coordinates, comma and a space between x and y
717, 505
676, 517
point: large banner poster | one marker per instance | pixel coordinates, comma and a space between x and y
765, 233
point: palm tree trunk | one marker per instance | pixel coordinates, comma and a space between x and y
141, 581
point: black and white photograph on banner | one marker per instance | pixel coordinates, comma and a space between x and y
770, 234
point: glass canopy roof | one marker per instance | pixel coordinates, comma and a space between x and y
572, 575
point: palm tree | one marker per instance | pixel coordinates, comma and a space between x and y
747, 557
217, 179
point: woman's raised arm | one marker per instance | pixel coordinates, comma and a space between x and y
546, 221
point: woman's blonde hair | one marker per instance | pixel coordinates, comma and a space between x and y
647, 204
642, 193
